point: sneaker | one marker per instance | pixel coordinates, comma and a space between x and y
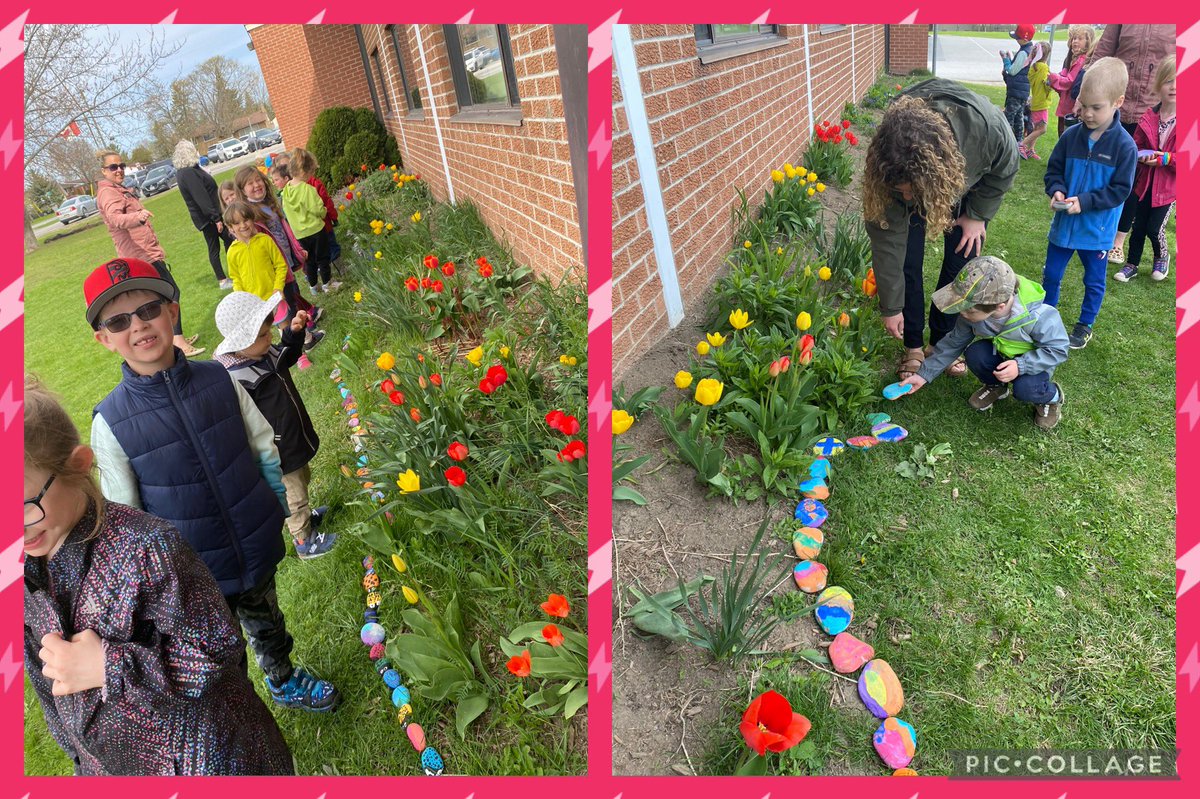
987, 396
225, 284
1046, 416
303, 362
323, 289
314, 338
304, 691
318, 515
317, 313
333, 285
1022, 151
1033, 154
1161, 268
1128, 272
1081, 334
1116, 256
318, 544
192, 339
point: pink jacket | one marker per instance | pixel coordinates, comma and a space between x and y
1062, 83
122, 214
1160, 180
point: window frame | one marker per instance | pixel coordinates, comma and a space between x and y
508, 112
377, 67
711, 47
416, 109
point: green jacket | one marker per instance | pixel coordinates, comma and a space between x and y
986, 141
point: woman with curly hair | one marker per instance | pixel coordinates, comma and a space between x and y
941, 161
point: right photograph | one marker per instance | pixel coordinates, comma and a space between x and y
894, 399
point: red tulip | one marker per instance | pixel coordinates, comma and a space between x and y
431, 262
448, 269
426, 283
387, 386
573, 451
487, 386
349, 195
455, 476
774, 369
381, 166
436, 379
835, 129
498, 375
785, 363
396, 397
481, 260
825, 123
837, 139
569, 426
485, 270
770, 724
363, 167
438, 287
553, 635
554, 419
520, 665
845, 123
412, 284
556, 605
415, 414
458, 451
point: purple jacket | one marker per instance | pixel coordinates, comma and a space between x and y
176, 698
1160, 180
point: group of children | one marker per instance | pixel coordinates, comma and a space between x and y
133, 583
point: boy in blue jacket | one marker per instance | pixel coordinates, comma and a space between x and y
184, 442
1088, 177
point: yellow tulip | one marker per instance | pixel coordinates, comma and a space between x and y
790, 172
385, 361
350, 187
416, 217
715, 339
621, 421
390, 226
824, 273
739, 319
409, 482
410, 595
708, 391
844, 320
341, 208
811, 192
801, 171
820, 187
399, 563
503, 353
746, 244
789, 168
808, 271
776, 176
683, 379
702, 348
475, 356
378, 255
358, 296
812, 177
803, 320
779, 251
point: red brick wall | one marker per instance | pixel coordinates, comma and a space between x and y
908, 48
714, 127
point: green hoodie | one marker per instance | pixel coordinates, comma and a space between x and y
986, 141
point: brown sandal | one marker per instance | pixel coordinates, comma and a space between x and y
958, 368
911, 363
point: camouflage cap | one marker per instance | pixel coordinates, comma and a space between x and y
985, 280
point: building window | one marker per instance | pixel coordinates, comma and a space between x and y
387, 99
412, 94
832, 28
481, 64
366, 62
716, 35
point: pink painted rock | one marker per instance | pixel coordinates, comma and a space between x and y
416, 736
810, 576
848, 654
896, 742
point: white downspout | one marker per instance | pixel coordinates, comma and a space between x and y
853, 69
437, 125
643, 150
812, 123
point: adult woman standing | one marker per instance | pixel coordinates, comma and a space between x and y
941, 161
129, 226
199, 192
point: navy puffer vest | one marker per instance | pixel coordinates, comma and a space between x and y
183, 432
1018, 85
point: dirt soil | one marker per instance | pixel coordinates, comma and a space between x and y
668, 697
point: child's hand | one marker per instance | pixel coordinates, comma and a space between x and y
916, 381
1074, 208
299, 321
75, 665
1007, 371
1149, 160
304, 254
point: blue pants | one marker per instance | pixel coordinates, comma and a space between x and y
1095, 276
335, 249
1014, 112
982, 360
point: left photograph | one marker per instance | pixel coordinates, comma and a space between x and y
305, 416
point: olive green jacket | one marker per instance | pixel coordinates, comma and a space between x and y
986, 141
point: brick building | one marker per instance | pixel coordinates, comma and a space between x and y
710, 108
496, 114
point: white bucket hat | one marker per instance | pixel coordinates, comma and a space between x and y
240, 316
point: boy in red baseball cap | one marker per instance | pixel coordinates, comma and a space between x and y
1016, 79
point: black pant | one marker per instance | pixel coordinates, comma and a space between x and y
260, 616
316, 268
164, 271
914, 284
1130, 206
213, 239
982, 359
1148, 223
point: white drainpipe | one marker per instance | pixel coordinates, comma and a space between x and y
437, 125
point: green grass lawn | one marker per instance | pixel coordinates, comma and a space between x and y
323, 599
1026, 595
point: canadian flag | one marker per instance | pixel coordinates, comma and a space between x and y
70, 130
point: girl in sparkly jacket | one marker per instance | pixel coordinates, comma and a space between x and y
129, 645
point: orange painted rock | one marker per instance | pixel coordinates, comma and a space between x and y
810, 576
904, 772
807, 542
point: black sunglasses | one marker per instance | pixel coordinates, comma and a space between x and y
119, 322
34, 512
115, 167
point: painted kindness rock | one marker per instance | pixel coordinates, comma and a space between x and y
401, 696
896, 743
431, 762
835, 609
828, 446
862, 442
372, 633
416, 736
819, 468
904, 772
895, 390
848, 654
391, 678
810, 576
878, 418
807, 542
889, 432
811, 512
814, 488
879, 688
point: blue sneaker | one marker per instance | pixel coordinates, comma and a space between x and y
304, 691
318, 515
318, 544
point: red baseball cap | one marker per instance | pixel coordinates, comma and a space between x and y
114, 278
1023, 32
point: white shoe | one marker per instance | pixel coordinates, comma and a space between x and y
332, 285
322, 289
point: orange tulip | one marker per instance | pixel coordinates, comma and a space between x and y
521, 665
868, 285
556, 605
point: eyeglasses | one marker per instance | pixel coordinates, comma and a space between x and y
34, 512
115, 167
118, 322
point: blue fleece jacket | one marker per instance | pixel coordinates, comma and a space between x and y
1100, 175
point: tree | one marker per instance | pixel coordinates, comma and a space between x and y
141, 154
79, 75
43, 193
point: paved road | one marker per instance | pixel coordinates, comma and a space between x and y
971, 59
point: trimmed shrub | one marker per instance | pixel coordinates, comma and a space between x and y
344, 138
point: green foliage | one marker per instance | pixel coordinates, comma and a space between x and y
848, 254
656, 614
698, 448
831, 161
344, 139
919, 465
623, 468
561, 671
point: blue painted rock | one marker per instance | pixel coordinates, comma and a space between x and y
880, 690
810, 576
848, 654
431, 762
814, 488
828, 446
372, 633
416, 736
401, 696
862, 442
895, 391
807, 542
391, 678
896, 742
889, 432
368, 562
835, 609
362, 460
878, 418
819, 468
345, 392
811, 512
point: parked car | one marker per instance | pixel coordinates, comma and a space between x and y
74, 208
159, 179
134, 182
232, 148
265, 137
248, 140
214, 154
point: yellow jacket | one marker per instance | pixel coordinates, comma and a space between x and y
257, 267
304, 209
1040, 93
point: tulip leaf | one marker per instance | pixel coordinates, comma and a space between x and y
467, 711
756, 766
575, 700
627, 494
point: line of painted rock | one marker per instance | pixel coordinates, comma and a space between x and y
814, 488
880, 690
811, 512
828, 446
835, 609
889, 432
810, 576
896, 742
848, 654
807, 542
